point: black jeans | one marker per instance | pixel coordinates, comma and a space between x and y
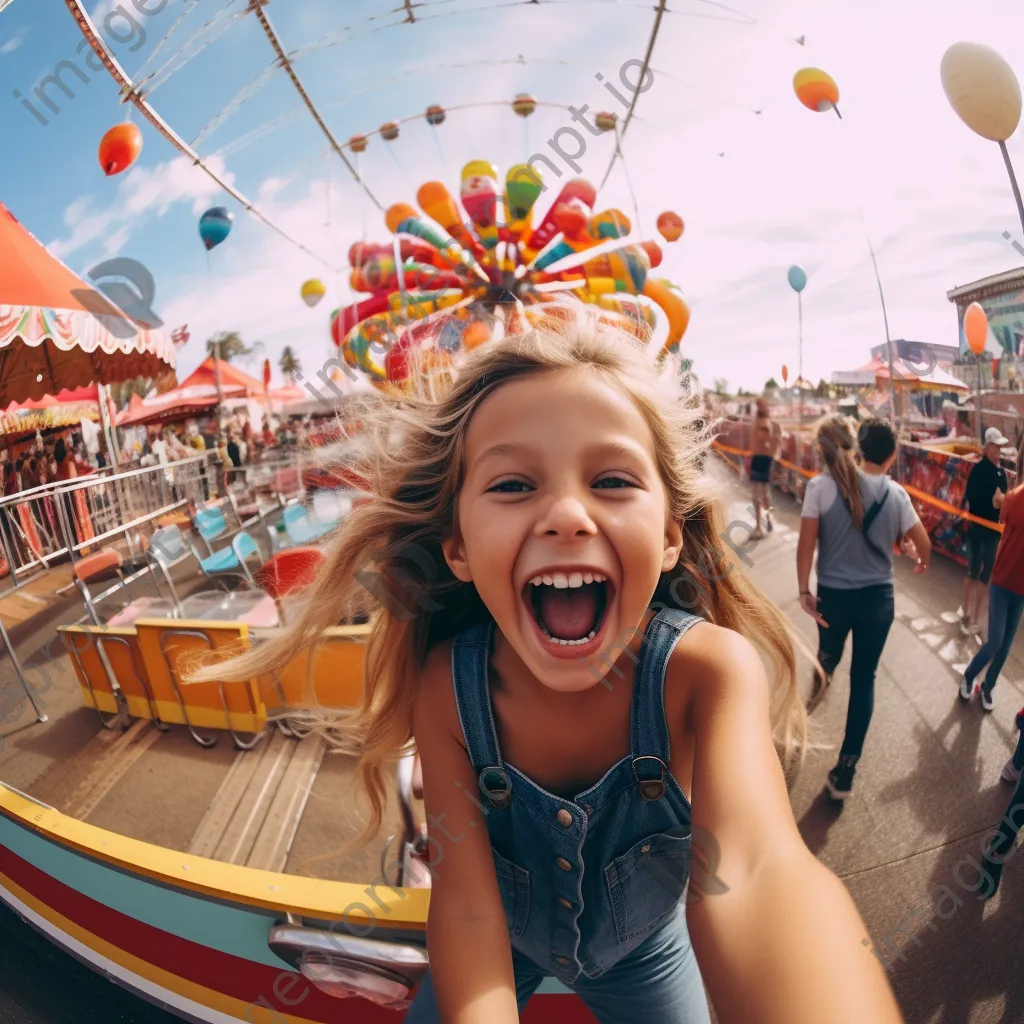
1002, 844
868, 613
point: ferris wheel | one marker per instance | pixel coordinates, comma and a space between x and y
478, 240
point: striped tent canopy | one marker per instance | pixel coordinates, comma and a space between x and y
56, 331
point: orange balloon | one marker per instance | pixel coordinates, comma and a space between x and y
475, 334
785, 373
120, 148
976, 328
670, 224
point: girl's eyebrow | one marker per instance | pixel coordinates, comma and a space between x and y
505, 448
608, 448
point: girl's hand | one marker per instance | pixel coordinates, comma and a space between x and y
809, 603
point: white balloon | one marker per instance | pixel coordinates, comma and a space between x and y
982, 89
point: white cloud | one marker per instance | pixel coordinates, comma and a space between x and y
13, 42
143, 193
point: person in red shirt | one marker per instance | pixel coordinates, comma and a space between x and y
1005, 596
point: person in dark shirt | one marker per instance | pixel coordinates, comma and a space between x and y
983, 497
234, 452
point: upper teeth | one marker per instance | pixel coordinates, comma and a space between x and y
573, 579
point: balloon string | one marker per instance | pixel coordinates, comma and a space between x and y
629, 181
440, 152
405, 177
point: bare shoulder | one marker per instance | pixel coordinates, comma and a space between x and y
712, 666
435, 709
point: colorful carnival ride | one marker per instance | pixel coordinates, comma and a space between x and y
435, 288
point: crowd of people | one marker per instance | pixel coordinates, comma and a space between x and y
63, 457
856, 519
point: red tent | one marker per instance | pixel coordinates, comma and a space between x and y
230, 378
51, 332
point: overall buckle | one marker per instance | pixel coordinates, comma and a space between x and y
497, 786
650, 777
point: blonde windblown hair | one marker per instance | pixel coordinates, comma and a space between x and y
413, 456
837, 444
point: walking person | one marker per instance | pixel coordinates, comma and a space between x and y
765, 437
854, 517
986, 487
1006, 596
1000, 848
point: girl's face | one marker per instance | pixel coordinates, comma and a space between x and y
563, 523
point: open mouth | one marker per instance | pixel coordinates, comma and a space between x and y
569, 608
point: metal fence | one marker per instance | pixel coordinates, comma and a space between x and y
63, 519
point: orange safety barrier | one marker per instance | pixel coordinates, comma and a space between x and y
928, 499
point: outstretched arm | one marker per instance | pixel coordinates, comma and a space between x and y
785, 941
467, 931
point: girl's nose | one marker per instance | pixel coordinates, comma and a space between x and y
566, 517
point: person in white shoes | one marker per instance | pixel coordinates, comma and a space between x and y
1006, 596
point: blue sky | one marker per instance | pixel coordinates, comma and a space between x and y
788, 188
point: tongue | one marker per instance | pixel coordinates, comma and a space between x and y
569, 614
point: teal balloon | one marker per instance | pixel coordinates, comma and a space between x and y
797, 278
215, 226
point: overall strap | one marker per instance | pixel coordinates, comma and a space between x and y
470, 656
649, 729
870, 515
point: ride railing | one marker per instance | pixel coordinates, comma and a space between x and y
66, 519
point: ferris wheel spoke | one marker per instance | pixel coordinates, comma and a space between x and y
238, 100
209, 33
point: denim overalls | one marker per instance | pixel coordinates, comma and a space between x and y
592, 886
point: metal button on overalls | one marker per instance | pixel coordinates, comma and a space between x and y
565, 818
565, 903
563, 864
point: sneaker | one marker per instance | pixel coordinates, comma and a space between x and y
768, 522
991, 872
1010, 773
966, 689
840, 780
986, 700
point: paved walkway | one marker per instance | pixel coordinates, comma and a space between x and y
926, 795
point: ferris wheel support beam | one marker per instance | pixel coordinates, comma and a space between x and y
256, 6
662, 10
132, 94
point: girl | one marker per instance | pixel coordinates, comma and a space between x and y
854, 517
1005, 596
530, 522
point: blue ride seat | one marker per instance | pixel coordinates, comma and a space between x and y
219, 561
210, 524
301, 528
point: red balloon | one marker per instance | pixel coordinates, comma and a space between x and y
572, 217
670, 225
120, 148
653, 250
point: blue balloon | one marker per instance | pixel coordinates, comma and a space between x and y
215, 226
797, 278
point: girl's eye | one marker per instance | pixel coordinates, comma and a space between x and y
510, 486
613, 482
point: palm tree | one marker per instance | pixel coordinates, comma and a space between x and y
289, 363
230, 344
122, 391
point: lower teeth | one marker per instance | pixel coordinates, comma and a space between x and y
571, 643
